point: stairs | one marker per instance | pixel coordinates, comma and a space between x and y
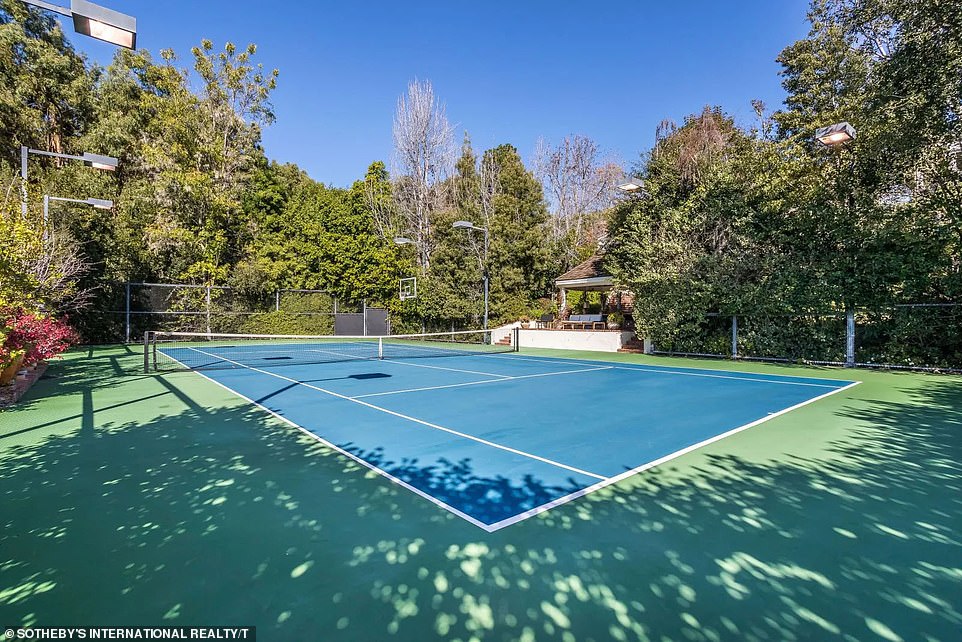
504, 341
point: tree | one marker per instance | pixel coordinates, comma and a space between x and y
519, 260
580, 184
47, 97
38, 271
424, 152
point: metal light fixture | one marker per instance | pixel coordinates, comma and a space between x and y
104, 24
97, 22
468, 225
837, 134
403, 240
633, 185
99, 203
97, 161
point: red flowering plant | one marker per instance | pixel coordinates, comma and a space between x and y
39, 337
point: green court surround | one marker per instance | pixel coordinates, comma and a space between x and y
163, 499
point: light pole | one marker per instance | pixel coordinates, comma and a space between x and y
835, 136
98, 203
97, 161
482, 259
95, 21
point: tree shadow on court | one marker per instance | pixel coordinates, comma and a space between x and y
95, 367
221, 516
487, 499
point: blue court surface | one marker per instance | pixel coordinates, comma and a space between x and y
496, 438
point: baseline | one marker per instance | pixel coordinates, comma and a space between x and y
651, 464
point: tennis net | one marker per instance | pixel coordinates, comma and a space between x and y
202, 351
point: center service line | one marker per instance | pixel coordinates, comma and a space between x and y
409, 418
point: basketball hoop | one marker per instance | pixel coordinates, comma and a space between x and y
409, 288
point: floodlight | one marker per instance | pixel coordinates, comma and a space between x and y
100, 203
837, 134
632, 185
99, 161
104, 24
403, 240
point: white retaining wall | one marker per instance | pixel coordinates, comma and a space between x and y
503, 331
600, 341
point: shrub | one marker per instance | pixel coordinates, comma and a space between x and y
616, 318
40, 337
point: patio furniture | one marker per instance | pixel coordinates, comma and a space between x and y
584, 322
546, 321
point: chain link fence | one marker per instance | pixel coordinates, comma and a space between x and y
135, 308
921, 336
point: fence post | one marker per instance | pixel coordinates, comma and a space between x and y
850, 338
208, 309
364, 304
734, 337
127, 314
277, 301
147, 352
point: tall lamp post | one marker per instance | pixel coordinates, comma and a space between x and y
95, 21
97, 161
98, 203
482, 259
835, 136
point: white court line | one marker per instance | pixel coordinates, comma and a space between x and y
538, 509
634, 471
672, 371
380, 471
403, 363
413, 419
477, 383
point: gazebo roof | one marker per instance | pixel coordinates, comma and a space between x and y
589, 275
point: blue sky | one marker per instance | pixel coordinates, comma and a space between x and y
508, 72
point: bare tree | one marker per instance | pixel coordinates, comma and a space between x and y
579, 181
424, 155
56, 273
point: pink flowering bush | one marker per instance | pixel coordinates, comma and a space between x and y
38, 337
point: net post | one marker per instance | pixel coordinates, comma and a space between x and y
516, 339
147, 352
380, 347
850, 338
734, 337
127, 313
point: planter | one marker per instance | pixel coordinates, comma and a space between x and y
10, 371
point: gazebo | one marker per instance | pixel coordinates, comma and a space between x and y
584, 331
589, 276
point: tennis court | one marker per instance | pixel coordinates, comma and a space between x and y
488, 434
165, 498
